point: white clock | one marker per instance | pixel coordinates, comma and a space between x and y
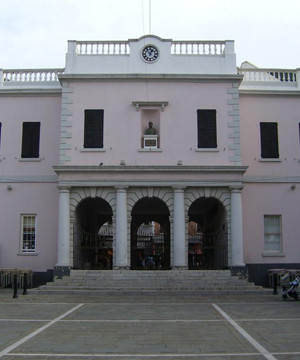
150, 53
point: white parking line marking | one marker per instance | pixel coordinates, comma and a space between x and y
244, 333
144, 320
118, 355
36, 332
25, 320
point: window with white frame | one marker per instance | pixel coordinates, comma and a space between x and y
28, 233
272, 229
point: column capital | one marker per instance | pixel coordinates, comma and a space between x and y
121, 188
178, 188
64, 188
236, 188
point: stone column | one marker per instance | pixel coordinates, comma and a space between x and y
63, 253
237, 257
179, 229
121, 257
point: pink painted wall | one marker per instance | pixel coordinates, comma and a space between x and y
34, 187
40, 199
285, 111
267, 187
18, 109
270, 199
123, 126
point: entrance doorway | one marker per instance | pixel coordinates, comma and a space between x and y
150, 235
93, 236
207, 235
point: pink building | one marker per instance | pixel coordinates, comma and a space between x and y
150, 149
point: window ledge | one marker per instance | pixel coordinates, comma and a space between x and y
92, 150
27, 254
273, 254
149, 150
30, 159
207, 150
269, 160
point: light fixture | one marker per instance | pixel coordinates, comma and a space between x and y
9, 187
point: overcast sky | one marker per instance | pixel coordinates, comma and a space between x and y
34, 33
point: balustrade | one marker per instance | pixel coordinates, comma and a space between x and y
198, 47
277, 75
30, 75
102, 48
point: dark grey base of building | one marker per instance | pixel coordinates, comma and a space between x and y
258, 273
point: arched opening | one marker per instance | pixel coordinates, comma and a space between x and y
150, 235
93, 236
207, 235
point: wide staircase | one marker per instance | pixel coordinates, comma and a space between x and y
96, 282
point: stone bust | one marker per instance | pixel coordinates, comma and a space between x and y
150, 130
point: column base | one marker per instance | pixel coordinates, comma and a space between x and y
121, 268
180, 268
60, 271
241, 271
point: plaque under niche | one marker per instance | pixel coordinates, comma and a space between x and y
150, 142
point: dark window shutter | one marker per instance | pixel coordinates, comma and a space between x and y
93, 129
31, 140
269, 140
207, 128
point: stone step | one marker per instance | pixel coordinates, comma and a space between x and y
158, 288
134, 281
152, 283
168, 292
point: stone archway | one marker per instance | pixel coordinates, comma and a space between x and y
93, 240
150, 235
207, 231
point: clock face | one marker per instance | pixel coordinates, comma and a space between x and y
150, 53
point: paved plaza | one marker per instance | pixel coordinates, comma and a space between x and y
135, 327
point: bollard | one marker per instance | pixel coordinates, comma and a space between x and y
275, 292
25, 285
15, 286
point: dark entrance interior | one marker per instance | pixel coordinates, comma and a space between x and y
207, 231
93, 236
150, 235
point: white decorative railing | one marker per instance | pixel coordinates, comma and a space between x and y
102, 48
198, 47
31, 75
123, 47
277, 75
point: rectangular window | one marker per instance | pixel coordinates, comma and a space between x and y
31, 140
269, 140
93, 129
28, 233
272, 236
207, 128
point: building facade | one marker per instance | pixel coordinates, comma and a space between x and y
150, 154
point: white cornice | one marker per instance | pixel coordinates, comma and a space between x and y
150, 169
270, 179
257, 91
153, 183
22, 90
28, 179
153, 77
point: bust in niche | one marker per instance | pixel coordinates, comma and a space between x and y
150, 130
